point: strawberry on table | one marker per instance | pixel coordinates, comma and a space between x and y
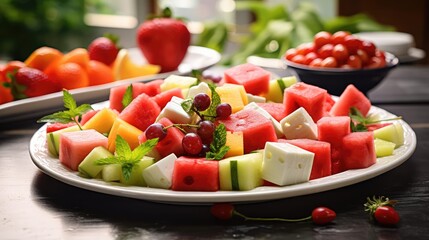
164, 41
104, 49
31, 82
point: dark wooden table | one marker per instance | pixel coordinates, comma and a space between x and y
36, 206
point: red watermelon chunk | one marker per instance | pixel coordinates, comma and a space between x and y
332, 130
164, 97
351, 97
171, 143
329, 102
310, 97
88, 115
52, 127
117, 94
195, 174
141, 112
257, 130
276, 110
254, 79
358, 150
75, 146
322, 155
152, 88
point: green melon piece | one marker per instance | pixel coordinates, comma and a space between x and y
111, 173
88, 167
383, 148
392, 133
277, 87
136, 177
53, 139
241, 172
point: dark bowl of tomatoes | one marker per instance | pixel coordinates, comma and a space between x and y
333, 61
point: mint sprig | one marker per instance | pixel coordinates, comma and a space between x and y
72, 114
359, 123
126, 157
218, 149
210, 113
128, 96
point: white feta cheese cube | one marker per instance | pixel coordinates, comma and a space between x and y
200, 88
299, 124
263, 112
174, 112
255, 98
286, 164
159, 174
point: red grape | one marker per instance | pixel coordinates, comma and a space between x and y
223, 110
192, 143
155, 130
201, 101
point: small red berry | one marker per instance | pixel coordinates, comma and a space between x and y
386, 215
323, 215
222, 211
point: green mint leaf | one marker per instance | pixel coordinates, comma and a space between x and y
108, 161
198, 74
60, 117
217, 147
127, 169
69, 102
210, 113
122, 148
143, 149
128, 96
187, 105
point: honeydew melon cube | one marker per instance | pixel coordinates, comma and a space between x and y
263, 112
241, 172
159, 174
299, 124
391, 133
235, 142
126, 131
233, 94
88, 167
102, 121
175, 81
53, 139
286, 164
255, 98
111, 172
200, 88
136, 178
174, 111
277, 87
383, 148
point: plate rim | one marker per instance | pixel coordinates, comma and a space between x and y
263, 193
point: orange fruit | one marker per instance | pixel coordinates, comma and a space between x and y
42, 57
69, 75
99, 73
77, 55
124, 67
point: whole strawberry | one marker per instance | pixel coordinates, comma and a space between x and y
164, 41
31, 82
104, 49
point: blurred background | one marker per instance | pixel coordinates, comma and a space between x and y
236, 28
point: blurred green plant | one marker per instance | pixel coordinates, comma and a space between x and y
29, 24
277, 29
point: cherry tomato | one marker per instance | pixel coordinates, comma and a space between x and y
380, 54
323, 215
386, 215
339, 37
376, 62
300, 59
326, 50
352, 43
290, 53
309, 57
329, 62
321, 38
305, 48
369, 48
340, 53
346, 66
363, 57
354, 62
222, 211
316, 63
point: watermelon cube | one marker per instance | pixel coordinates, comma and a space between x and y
141, 112
75, 146
195, 174
322, 155
310, 97
151, 89
277, 110
117, 94
351, 97
254, 79
332, 130
358, 150
257, 129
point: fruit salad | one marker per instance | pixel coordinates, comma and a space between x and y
237, 133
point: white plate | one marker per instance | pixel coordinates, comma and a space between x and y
55, 169
196, 58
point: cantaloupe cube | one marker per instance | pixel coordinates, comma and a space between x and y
234, 140
126, 131
233, 94
102, 121
75, 146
